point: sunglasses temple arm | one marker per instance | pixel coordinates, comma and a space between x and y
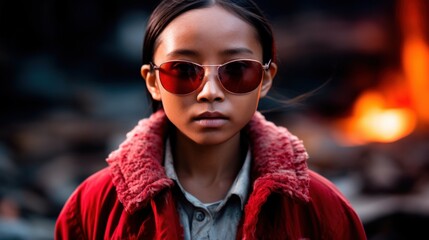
153, 66
267, 65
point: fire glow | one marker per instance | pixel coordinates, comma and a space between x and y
375, 116
372, 121
415, 53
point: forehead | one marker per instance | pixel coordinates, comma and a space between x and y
208, 31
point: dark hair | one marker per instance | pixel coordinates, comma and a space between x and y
168, 10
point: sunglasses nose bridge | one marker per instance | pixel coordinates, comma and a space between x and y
210, 85
210, 73
210, 70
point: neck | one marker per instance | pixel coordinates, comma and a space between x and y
207, 171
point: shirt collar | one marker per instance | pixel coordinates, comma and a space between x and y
240, 187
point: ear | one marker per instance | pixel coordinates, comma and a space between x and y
268, 79
151, 81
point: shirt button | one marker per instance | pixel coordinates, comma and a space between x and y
199, 215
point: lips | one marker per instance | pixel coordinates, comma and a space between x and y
210, 115
211, 119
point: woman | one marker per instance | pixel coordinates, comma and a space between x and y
206, 164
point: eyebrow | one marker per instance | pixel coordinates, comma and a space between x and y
183, 52
193, 53
234, 51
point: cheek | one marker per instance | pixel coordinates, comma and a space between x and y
246, 105
174, 106
171, 104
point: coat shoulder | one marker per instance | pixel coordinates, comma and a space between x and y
98, 183
321, 187
94, 194
333, 210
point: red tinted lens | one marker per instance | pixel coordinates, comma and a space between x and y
180, 77
241, 76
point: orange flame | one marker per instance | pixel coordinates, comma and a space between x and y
391, 112
373, 122
415, 54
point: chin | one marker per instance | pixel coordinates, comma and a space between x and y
210, 138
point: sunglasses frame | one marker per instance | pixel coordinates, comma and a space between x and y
265, 67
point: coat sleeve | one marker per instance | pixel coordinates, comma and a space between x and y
69, 221
81, 216
334, 214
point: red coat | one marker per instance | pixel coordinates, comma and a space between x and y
132, 198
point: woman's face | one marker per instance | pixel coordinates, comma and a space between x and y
207, 36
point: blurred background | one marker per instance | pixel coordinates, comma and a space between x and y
71, 90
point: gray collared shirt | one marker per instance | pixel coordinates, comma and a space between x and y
218, 220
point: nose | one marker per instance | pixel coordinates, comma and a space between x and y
212, 89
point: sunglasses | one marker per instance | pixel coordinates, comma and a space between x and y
237, 76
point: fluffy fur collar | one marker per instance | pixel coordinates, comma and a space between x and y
279, 162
